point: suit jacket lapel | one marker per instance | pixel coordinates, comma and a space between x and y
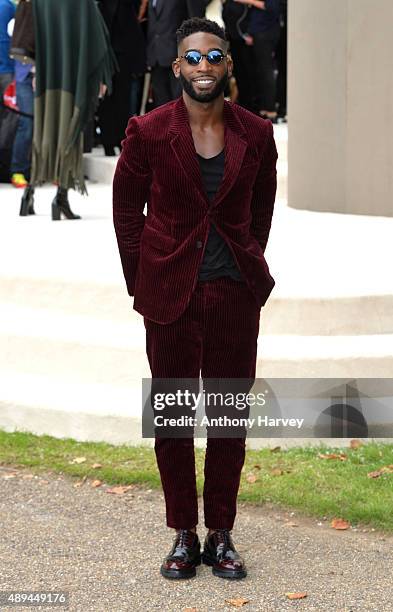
235, 149
183, 146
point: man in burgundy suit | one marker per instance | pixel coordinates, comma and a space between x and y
196, 268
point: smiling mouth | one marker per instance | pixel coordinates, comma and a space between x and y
204, 81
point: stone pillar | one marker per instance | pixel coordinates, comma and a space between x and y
340, 106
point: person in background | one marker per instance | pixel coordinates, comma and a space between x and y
21, 152
128, 43
281, 56
263, 36
7, 12
235, 18
137, 79
66, 92
164, 18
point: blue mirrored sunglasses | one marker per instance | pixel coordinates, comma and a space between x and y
214, 57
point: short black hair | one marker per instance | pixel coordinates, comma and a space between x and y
196, 24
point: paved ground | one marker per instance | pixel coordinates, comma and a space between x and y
106, 551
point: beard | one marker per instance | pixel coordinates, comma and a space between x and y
209, 96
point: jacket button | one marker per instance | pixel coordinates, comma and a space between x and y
199, 244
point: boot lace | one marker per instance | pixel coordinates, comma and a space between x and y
183, 540
223, 539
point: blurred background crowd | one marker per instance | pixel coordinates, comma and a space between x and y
142, 35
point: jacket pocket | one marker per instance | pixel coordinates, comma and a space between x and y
158, 240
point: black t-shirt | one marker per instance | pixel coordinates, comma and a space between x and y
217, 259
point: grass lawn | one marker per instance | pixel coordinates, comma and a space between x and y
296, 478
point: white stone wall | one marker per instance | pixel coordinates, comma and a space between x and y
340, 106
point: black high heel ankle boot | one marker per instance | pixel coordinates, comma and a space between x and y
27, 203
61, 206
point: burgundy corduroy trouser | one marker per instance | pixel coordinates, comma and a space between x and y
215, 337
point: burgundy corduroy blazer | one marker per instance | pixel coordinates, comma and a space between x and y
162, 251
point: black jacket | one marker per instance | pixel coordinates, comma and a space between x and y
235, 17
163, 22
127, 38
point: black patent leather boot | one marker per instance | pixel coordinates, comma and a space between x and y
61, 206
184, 556
27, 203
220, 553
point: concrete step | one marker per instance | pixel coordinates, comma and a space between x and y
297, 315
98, 167
88, 350
66, 382
76, 370
69, 367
